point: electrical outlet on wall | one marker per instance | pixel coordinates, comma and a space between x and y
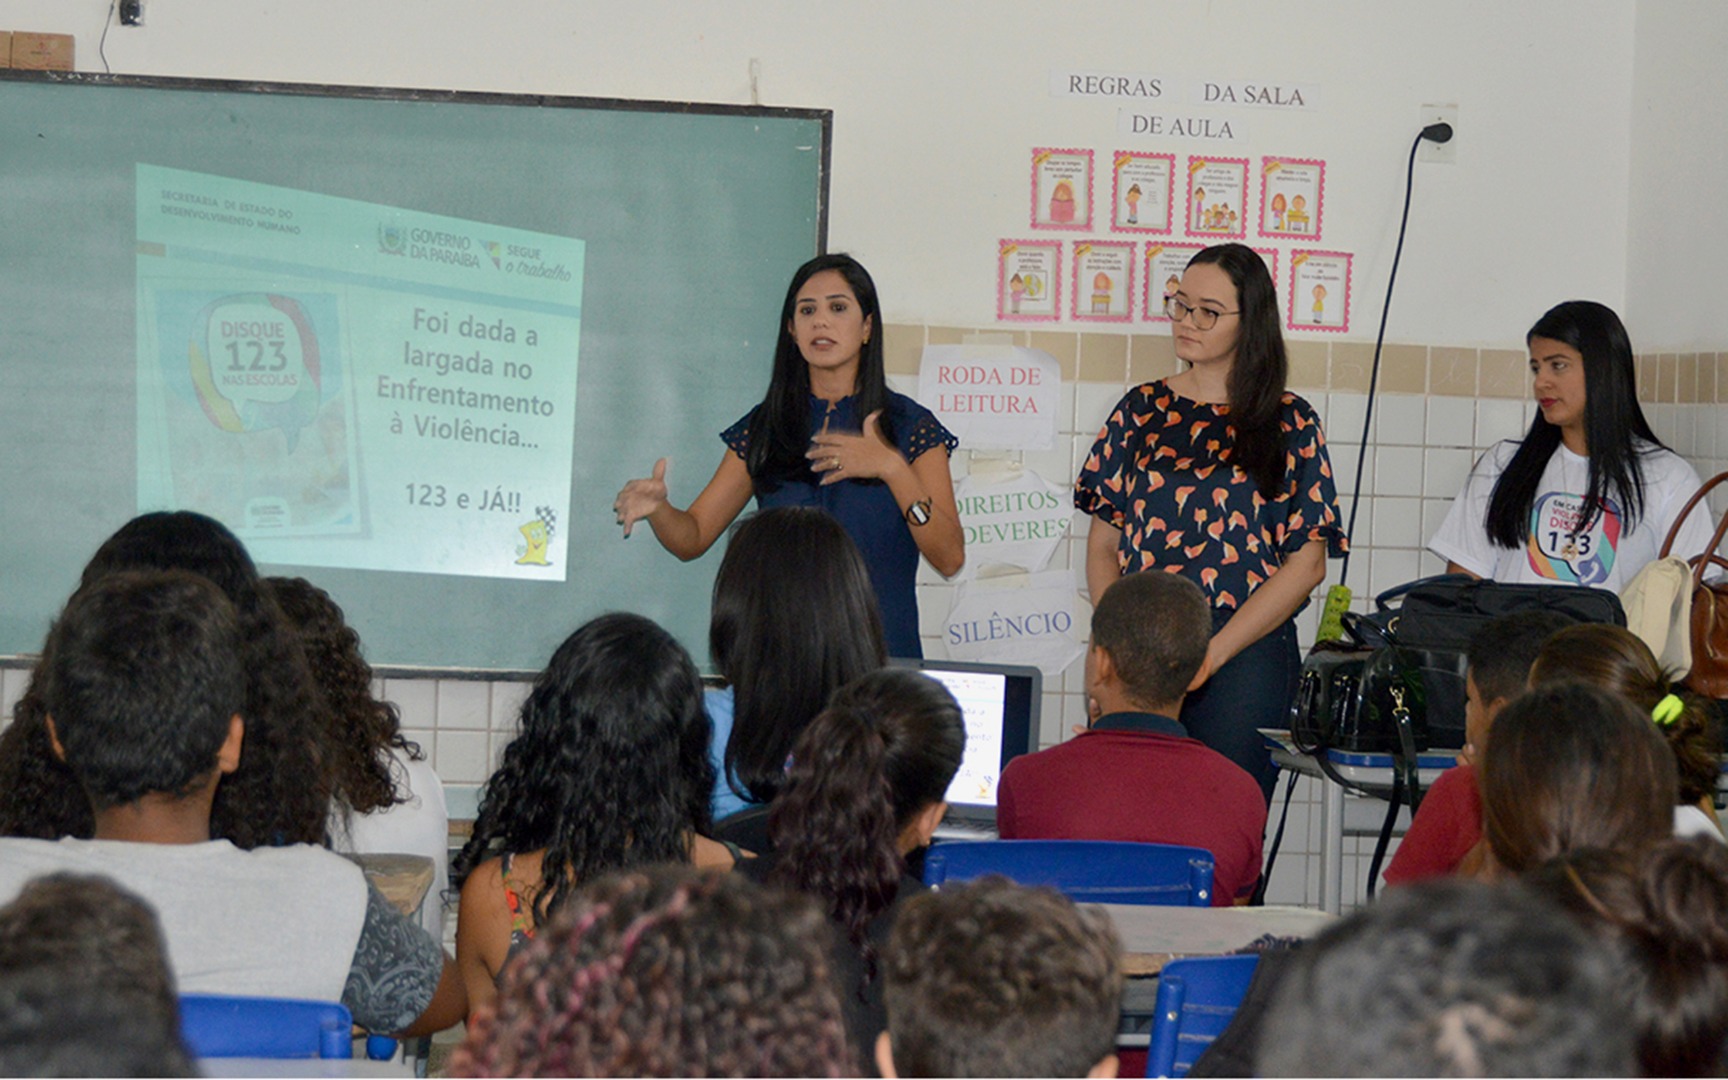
131, 12
1445, 153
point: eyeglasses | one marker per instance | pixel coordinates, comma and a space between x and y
1204, 318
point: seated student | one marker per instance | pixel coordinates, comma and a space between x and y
794, 618
609, 771
865, 789
666, 971
386, 798
1618, 661
989, 978
85, 988
1445, 837
1135, 774
1665, 911
278, 795
1571, 766
142, 683
1450, 978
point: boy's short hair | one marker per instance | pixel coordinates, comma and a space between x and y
140, 676
1156, 627
95, 934
990, 978
1450, 978
1501, 650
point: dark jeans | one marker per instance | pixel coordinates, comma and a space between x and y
1253, 690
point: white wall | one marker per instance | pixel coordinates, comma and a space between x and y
937, 106
1677, 262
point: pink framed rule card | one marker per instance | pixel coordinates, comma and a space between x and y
1061, 189
1028, 280
1164, 266
1292, 196
1103, 280
1217, 206
1270, 257
1140, 187
1319, 291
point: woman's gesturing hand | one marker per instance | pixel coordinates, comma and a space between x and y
640, 498
867, 456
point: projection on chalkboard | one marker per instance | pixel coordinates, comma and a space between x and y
347, 384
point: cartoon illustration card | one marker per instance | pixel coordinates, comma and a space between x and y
1103, 280
1270, 257
1028, 281
1164, 266
1140, 188
1319, 291
1217, 204
1292, 196
1061, 189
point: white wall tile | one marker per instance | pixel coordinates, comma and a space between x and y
1704, 430
1398, 470
1343, 457
507, 699
1388, 567
462, 757
1094, 403
1397, 524
1451, 421
464, 704
1433, 513
1445, 470
12, 684
1344, 412
1496, 419
1400, 419
417, 699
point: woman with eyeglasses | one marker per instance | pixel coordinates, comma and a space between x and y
1220, 474
1588, 495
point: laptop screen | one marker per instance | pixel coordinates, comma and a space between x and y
1001, 706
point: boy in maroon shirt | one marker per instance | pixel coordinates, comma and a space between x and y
1134, 773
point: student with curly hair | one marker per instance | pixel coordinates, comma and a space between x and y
385, 797
666, 971
989, 978
866, 787
278, 795
1617, 660
1665, 910
609, 771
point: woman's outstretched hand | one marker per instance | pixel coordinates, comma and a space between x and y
866, 456
640, 498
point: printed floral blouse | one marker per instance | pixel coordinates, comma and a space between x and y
1161, 471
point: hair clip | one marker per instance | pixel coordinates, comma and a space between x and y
1668, 710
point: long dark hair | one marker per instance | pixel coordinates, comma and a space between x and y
887, 747
1612, 421
1261, 368
794, 617
610, 767
1618, 661
363, 729
1569, 765
279, 794
780, 433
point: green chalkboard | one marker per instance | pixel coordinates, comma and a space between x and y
407, 344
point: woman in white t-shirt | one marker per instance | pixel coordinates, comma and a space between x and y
1589, 494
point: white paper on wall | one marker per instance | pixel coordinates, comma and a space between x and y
1018, 520
994, 397
1032, 619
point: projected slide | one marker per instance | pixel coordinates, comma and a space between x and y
355, 385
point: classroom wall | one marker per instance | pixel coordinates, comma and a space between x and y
1588, 164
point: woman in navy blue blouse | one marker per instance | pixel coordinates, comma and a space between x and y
830, 434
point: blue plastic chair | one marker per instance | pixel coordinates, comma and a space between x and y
1087, 871
219, 1026
1197, 998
